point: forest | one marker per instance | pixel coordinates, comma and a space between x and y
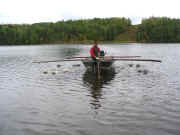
63, 31
151, 30
159, 30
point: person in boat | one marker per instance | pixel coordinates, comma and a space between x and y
95, 51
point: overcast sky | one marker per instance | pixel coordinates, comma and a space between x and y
33, 11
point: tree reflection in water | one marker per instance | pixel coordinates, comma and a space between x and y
91, 80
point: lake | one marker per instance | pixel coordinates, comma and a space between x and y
65, 99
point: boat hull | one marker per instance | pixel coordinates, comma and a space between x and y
102, 63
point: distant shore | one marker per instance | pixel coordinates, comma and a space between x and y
107, 30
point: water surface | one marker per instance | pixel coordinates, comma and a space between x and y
44, 99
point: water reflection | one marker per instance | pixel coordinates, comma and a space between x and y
91, 80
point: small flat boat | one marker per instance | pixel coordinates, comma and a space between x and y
102, 63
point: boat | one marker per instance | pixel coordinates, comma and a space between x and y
102, 63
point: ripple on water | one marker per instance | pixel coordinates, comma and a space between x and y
68, 100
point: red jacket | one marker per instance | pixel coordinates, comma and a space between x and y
94, 51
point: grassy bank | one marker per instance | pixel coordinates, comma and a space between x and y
128, 36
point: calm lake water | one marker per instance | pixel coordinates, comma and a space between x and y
69, 100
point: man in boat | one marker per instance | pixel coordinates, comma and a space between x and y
95, 51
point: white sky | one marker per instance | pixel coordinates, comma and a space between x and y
33, 11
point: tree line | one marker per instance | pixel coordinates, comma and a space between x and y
159, 29
153, 29
63, 31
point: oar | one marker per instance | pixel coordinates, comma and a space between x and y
78, 57
104, 57
122, 56
58, 60
151, 60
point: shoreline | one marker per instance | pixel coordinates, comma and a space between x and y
89, 43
